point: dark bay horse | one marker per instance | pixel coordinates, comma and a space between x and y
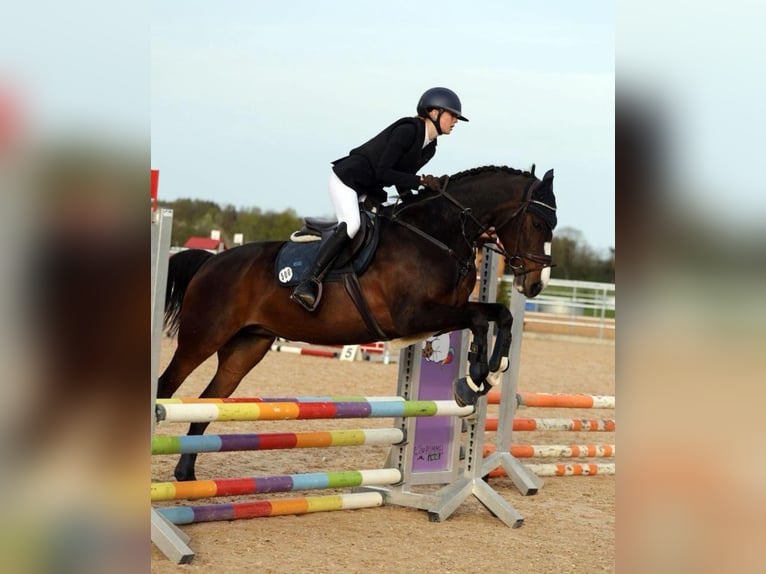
418, 283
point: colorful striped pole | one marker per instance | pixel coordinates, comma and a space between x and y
209, 412
580, 425
275, 507
282, 483
271, 441
317, 399
253, 408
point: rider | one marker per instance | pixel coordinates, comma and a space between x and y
392, 157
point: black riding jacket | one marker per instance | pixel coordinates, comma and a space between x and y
392, 157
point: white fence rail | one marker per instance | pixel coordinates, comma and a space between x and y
577, 305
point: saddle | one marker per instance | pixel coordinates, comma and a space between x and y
296, 257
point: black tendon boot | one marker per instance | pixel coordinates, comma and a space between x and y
309, 291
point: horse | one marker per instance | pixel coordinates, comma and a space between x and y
418, 283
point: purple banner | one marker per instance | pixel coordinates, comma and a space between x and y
438, 369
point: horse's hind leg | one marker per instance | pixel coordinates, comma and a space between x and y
176, 372
235, 359
188, 356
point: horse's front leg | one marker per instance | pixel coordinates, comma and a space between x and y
467, 390
503, 319
480, 380
478, 368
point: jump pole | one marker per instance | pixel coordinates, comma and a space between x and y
162, 491
273, 507
558, 400
170, 540
549, 424
271, 441
174, 412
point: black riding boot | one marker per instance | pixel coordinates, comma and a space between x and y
309, 291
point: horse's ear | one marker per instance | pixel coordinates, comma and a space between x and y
548, 175
532, 170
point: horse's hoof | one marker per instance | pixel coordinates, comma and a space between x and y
182, 476
464, 395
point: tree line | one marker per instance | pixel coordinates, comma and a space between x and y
572, 256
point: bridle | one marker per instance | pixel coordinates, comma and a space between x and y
516, 261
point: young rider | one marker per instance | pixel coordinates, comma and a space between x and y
393, 157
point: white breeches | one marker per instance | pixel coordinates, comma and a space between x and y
346, 204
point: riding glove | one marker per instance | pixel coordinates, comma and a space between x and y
434, 183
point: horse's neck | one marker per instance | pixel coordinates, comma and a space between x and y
435, 216
484, 193
479, 195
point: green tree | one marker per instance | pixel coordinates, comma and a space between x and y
575, 259
198, 218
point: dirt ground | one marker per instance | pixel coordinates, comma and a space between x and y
569, 524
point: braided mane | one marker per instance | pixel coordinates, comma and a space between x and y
425, 195
489, 168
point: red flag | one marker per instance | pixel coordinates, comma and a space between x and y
155, 185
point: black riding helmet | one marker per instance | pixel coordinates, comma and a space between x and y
440, 98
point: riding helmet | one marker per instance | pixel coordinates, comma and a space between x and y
443, 98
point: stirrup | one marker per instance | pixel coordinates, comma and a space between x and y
308, 301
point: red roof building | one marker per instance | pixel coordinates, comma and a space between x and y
206, 243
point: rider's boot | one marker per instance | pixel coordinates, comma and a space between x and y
309, 291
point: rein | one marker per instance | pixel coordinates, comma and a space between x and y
466, 214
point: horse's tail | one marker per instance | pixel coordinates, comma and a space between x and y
181, 268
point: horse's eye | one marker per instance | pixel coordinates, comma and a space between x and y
537, 225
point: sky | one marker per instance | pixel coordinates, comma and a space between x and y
252, 100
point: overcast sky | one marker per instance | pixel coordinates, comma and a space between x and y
252, 100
